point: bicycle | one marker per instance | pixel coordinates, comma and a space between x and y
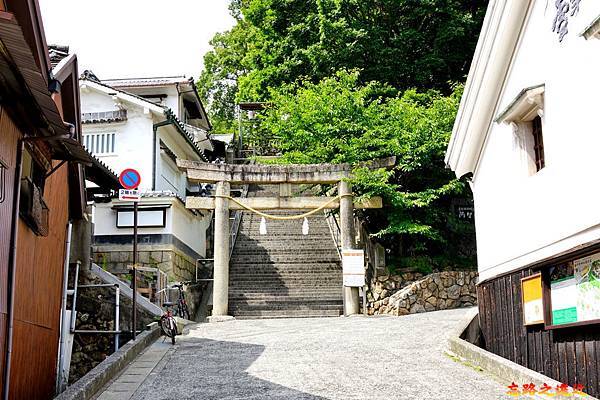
168, 325
182, 307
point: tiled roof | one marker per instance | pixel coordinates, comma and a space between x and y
104, 117
146, 82
57, 53
169, 114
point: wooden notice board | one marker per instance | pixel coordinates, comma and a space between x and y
533, 303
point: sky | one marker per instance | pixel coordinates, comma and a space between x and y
136, 38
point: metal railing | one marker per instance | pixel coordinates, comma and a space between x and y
237, 220
336, 231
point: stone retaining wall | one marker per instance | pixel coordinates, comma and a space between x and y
438, 291
385, 285
115, 259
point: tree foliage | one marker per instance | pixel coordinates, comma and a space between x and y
339, 120
349, 81
401, 43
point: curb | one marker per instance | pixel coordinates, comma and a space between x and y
502, 368
98, 377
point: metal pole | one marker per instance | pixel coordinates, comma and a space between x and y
74, 302
117, 315
134, 278
63, 309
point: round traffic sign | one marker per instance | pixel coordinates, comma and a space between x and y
130, 178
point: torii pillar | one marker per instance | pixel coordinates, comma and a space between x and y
221, 253
351, 297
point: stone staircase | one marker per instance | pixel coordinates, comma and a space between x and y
284, 273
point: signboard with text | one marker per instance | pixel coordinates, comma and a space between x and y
129, 195
575, 291
353, 264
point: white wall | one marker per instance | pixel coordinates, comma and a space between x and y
185, 226
169, 177
171, 101
133, 142
521, 218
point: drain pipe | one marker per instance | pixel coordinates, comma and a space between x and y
12, 267
63, 311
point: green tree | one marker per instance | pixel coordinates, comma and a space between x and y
405, 44
339, 120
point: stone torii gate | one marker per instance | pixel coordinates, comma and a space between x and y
224, 175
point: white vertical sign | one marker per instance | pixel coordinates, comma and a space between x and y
353, 265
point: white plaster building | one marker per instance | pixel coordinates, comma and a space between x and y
523, 70
527, 135
146, 124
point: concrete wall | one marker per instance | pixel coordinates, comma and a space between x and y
522, 218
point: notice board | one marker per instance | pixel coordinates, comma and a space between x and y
353, 265
575, 291
533, 305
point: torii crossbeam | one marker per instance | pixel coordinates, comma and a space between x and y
223, 175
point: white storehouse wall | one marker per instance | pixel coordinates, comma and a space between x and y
520, 218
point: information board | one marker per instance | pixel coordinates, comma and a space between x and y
533, 306
353, 264
576, 297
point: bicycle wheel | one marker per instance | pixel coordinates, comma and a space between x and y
173, 330
185, 312
168, 327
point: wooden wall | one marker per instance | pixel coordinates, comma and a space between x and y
9, 137
38, 297
38, 286
568, 355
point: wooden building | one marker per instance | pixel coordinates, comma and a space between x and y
526, 137
41, 192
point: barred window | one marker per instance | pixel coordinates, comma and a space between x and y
100, 143
538, 143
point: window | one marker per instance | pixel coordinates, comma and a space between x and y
150, 217
100, 143
524, 115
538, 143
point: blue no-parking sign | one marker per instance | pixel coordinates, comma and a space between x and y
130, 179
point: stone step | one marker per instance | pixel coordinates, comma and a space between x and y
271, 281
283, 251
284, 259
241, 247
306, 295
276, 314
295, 266
257, 305
331, 297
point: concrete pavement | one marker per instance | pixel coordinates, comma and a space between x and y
326, 358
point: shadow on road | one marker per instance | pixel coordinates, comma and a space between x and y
209, 369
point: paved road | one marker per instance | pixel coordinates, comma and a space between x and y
329, 358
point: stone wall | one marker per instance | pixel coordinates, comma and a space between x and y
115, 259
438, 291
385, 285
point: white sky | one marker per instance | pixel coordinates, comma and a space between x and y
136, 38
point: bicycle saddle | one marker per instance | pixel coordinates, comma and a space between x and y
179, 285
168, 304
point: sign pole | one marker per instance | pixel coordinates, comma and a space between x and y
131, 179
135, 260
